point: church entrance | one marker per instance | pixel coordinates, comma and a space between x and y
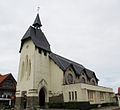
42, 97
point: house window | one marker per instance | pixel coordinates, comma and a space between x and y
75, 95
8, 84
69, 95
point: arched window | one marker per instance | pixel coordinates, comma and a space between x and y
22, 71
83, 80
92, 82
26, 63
29, 69
70, 78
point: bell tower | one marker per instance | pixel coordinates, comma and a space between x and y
34, 68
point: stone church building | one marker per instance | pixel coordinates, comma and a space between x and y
46, 79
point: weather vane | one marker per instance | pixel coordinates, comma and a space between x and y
38, 8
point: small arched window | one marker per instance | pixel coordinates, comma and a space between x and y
92, 82
70, 78
83, 80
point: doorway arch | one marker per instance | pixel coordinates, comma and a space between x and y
42, 96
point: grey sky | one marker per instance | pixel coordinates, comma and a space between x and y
86, 31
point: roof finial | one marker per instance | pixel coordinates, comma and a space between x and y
38, 8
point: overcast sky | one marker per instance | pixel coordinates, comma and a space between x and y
86, 31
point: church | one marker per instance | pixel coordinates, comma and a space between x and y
48, 80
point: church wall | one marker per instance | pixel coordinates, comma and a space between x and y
69, 93
56, 81
42, 72
83, 93
26, 71
25, 74
48, 75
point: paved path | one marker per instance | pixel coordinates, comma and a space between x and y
107, 108
103, 108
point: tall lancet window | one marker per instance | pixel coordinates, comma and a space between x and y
26, 63
29, 69
22, 71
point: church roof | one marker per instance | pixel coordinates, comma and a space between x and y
64, 63
37, 36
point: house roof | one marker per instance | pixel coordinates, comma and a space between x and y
64, 63
3, 77
37, 36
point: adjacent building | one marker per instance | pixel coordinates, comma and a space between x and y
46, 79
7, 90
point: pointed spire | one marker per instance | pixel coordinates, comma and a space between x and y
37, 22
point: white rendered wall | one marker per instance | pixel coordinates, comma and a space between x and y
26, 82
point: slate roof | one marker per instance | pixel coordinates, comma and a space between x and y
64, 63
37, 36
90, 74
37, 22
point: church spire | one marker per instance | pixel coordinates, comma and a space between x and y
37, 22
37, 36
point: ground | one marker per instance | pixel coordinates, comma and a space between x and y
103, 108
108, 108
